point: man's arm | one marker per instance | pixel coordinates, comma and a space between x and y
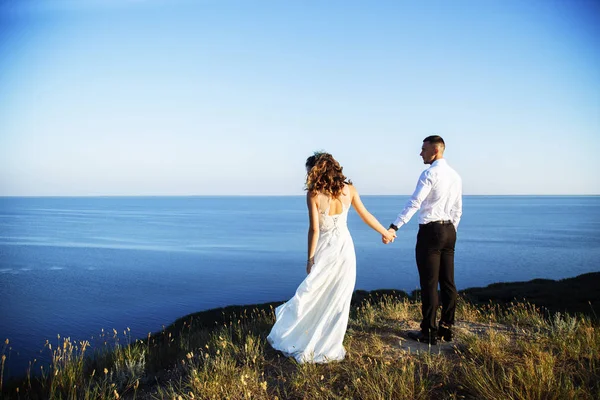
456, 211
412, 206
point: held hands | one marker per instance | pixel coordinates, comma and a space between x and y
389, 236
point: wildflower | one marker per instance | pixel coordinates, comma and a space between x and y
105, 371
189, 355
263, 385
116, 394
6, 341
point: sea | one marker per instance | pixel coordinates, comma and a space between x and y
74, 266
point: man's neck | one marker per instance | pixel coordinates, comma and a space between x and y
436, 159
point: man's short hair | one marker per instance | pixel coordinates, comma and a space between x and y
436, 140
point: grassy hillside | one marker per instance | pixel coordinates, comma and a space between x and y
502, 351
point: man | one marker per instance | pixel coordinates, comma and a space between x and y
439, 197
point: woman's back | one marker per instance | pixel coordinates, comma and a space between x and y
334, 205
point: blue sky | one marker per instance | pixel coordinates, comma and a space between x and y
118, 97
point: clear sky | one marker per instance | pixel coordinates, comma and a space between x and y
117, 97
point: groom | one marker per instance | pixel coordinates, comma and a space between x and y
439, 197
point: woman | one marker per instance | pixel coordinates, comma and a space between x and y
311, 326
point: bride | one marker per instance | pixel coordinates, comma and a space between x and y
311, 326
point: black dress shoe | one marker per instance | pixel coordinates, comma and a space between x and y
445, 333
423, 337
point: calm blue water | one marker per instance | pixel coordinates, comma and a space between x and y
73, 266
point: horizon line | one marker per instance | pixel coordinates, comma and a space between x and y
285, 195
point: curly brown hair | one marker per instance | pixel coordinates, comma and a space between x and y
324, 174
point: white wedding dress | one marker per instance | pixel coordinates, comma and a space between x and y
311, 326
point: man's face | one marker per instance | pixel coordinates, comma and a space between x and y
428, 152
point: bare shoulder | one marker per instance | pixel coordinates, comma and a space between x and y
311, 197
351, 189
352, 192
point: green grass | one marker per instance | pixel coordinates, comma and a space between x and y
520, 353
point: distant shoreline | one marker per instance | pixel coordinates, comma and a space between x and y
576, 295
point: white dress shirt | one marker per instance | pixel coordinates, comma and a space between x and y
438, 195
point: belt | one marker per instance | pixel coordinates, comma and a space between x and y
437, 223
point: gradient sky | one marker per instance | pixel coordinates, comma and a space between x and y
116, 97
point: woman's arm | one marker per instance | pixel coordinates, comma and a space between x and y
313, 229
367, 217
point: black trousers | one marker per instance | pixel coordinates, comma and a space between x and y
435, 261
